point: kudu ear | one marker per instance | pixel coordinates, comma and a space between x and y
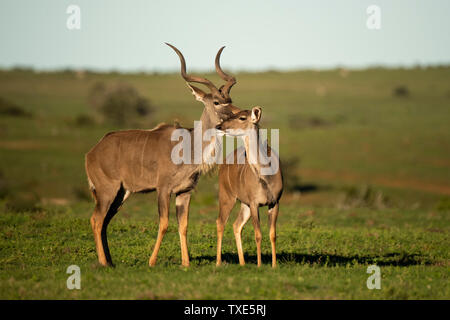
198, 94
256, 114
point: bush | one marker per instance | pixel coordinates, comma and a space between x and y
443, 204
297, 122
23, 202
363, 197
84, 120
4, 186
119, 104
19, 197
96, 95
9, 108
291, 179
401, 91
81, 193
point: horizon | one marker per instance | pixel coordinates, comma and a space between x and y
24, 68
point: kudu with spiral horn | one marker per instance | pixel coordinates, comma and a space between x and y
130, 161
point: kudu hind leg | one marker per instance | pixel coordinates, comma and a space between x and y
163, 209
108, 202
273, 215
182, 206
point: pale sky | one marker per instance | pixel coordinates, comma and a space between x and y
130, 35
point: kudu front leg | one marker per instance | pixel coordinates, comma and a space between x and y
163, 209
241, 220
225, 206
182, 202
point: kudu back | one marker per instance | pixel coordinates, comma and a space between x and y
130, 161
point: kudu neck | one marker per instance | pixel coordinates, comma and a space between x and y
209, 121
209, 141
257, 156
253, 149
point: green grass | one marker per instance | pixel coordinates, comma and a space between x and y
321, 254
349, 132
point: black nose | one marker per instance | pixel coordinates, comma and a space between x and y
219, 127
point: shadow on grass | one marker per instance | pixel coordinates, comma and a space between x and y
391, 259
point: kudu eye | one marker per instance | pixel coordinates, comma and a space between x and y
216, 103
242, 118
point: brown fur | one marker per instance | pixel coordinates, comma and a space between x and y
244, 182
130, 161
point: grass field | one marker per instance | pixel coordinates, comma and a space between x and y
373, 188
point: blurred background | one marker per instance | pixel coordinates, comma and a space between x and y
363, 113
